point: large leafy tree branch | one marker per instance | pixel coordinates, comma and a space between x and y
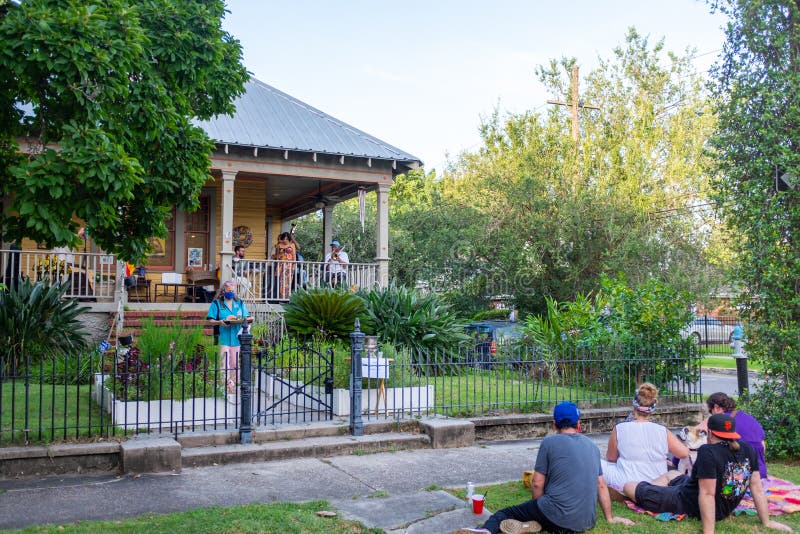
102, 95
758, 86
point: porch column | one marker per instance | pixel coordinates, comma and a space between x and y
327, 229
226, 254
382, 235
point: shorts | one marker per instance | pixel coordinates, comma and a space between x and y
659, 499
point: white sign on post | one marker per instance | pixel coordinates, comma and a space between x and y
375, 367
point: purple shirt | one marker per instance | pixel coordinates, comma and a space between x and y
753, 434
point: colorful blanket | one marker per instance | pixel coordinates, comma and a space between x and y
783, 497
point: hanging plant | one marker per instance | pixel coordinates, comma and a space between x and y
242, 235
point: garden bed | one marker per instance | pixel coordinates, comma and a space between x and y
413, 399
163, 413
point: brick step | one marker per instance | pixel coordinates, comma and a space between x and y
165, 314
165, 322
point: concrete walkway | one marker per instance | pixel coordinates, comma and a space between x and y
394, 491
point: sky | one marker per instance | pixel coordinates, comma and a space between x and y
421, 74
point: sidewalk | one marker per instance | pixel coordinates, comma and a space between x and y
384, 490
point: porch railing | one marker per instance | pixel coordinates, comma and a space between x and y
275, 281
96, 277
92, 276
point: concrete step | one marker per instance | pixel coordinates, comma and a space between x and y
313, 447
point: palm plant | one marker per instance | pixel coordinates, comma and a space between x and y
35, 319
325, 313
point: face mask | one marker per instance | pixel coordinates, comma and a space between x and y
229, 295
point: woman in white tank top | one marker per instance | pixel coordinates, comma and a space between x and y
638, 449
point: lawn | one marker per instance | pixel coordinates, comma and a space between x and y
48, 413
502, 495
302, 518
290, 518
727, 362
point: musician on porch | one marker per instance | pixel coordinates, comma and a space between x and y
336, 265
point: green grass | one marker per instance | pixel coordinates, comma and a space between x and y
289, 518
53, 413
727, 362
510, 493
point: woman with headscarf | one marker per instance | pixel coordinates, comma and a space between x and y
638, 449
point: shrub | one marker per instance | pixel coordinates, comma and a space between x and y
776, 406
492, 314
154, 341
325, 313
36, 319
421, 324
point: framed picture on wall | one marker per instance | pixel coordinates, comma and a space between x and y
195, 257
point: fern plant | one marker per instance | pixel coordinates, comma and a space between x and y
325, 313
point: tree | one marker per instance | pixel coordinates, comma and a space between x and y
103, 93
757, 84
624, 202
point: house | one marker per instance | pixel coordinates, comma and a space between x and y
276, 159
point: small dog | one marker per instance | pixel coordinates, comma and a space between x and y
693, 438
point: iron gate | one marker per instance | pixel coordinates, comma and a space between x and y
293, 384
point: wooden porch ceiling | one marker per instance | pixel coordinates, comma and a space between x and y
296, 196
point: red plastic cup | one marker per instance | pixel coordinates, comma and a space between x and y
477, 503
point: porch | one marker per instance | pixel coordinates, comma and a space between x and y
97, 280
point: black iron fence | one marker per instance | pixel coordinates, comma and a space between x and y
86, 396
465, 382
712, 335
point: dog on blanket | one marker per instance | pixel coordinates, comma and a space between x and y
693, 438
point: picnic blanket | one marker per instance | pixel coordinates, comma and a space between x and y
783, 497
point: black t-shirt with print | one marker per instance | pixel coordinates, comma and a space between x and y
732, 469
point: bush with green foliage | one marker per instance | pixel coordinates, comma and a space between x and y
154, 341
492, 314
325, 313
36, 319
776, 406
618, 326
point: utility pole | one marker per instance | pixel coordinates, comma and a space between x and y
575, 104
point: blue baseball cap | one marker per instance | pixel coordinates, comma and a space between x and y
334, 243
566, 414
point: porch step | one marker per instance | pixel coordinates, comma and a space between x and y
135, 320
305, 448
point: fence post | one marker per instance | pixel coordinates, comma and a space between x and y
245, 355
356, 346
740, 356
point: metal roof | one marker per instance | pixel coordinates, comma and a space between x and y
268, 118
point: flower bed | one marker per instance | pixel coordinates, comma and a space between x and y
163, 413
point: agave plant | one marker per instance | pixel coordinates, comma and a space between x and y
325, 313
36, 319
405, 318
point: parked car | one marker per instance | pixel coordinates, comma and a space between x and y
488, 335
708, 330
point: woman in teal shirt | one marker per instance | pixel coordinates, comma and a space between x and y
228, 311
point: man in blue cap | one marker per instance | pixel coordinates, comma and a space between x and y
336, 265
567, 484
